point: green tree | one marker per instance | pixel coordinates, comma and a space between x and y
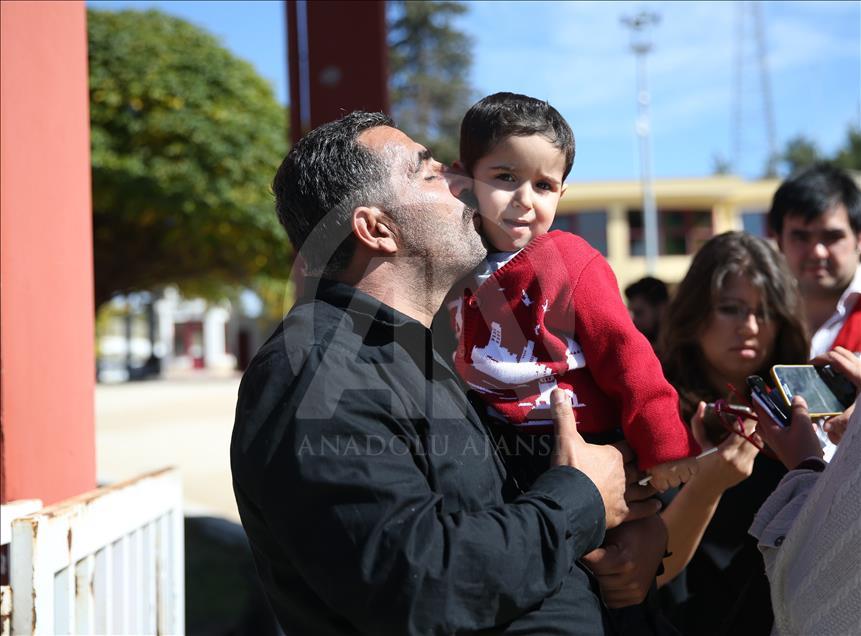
849, 157
185, 141
721, 165
800, 152
429, 61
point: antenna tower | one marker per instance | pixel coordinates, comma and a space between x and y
751, 76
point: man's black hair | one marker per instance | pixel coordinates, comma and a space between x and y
814, 191
653, 290
502, 115
326, 175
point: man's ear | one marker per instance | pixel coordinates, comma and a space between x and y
374, 229
458, 166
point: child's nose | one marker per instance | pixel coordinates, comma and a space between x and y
523, 197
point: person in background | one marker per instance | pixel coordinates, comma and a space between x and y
816, 218
736, 313
809, 529
647, 300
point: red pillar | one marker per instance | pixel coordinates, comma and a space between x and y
338, 60
47, 446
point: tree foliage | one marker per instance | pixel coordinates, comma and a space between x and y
849, 156
801, 152
429, 61
185, 141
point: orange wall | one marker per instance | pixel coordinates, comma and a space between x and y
46, 271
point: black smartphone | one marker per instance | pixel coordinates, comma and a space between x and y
762, 395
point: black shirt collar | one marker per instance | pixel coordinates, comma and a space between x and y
361, 306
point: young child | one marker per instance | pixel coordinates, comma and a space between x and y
544, 310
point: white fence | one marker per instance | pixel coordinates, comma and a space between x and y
110, 561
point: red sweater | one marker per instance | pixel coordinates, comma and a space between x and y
553, 316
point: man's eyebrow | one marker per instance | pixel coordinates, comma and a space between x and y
422, 157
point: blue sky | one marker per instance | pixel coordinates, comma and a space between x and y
575, 54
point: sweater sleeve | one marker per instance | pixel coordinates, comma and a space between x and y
625, 367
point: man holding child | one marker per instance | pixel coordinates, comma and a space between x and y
373, 497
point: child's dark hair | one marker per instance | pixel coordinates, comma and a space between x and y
501, 115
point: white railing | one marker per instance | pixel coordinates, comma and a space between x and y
8, 512
110, 561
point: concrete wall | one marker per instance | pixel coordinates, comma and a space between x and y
47, 449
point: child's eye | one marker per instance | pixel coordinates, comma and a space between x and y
543, 185
505, 176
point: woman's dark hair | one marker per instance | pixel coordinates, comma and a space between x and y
690, 310
502, 115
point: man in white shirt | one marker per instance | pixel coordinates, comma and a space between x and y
816, 218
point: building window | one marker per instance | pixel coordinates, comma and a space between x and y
680, 232
590, 225
755, 222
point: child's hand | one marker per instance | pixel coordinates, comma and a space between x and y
671, 474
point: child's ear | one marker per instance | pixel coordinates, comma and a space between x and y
458, 166
563, 190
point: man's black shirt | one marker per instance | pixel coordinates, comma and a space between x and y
373, 497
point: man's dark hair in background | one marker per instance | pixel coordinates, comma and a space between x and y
647, 299
812, 192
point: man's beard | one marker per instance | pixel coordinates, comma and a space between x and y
449, 251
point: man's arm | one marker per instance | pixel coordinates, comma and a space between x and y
348, 500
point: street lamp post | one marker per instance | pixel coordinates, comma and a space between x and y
641, 46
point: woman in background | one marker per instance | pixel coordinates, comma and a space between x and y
736, 313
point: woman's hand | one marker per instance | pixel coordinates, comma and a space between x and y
688, 515
733, 461
794, 443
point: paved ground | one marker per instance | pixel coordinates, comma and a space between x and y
184, 422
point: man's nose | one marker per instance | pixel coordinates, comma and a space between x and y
819, 250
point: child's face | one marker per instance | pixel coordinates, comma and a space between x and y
518, 185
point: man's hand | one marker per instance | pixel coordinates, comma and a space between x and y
604, 465
849, 365
836, 426
627, 563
